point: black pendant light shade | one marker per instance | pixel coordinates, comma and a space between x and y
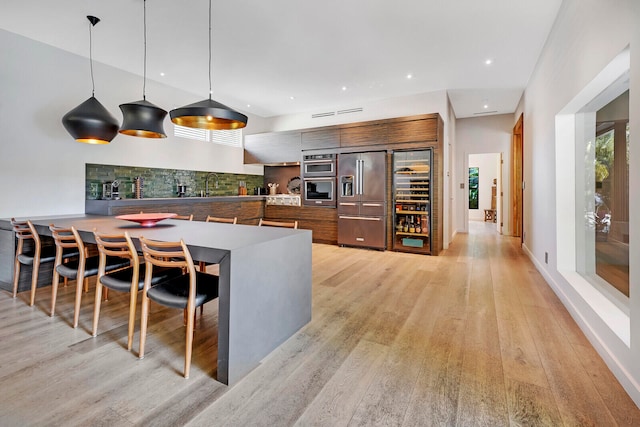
208, 114
142, 118
91, 123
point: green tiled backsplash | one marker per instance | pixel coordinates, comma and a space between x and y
163, 182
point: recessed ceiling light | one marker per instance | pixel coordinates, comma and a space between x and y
486, 106
488, 62
344, 88
162, 74
248, 105
291, 98
409, 76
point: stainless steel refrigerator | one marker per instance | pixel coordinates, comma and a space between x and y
362, 199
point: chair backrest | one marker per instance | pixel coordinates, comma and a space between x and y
167, 254
233, 220
185, 217
25, 231
66, 238
293, 224
117, 245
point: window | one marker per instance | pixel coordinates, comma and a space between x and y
225, 137
592, 195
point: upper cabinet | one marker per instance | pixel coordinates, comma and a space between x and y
321, 139
272, 148
387, 134
413, 131
355, 136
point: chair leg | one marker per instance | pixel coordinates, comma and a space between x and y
189, 340
76, 307
16, 276
54, 290
34, 282
86, 285
144, 317
96, 308
132, 318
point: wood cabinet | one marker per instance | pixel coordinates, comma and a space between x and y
323, 222
321, 139
413, 131
374, 134
272, 148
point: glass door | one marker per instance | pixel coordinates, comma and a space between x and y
412, 199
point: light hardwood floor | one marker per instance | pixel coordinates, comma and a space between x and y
472, 337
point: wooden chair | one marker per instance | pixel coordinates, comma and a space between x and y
203, 265
186, 292
185, 217
293, 224
233, 220
129, 279
80, 269
30, 252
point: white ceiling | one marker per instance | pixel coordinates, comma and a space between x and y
265, 52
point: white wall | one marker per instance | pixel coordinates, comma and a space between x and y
488, 168
587, 35
482, 135
42, 166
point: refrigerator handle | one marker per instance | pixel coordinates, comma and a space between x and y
361, 176
357, 190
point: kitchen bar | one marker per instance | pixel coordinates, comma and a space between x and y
265, 278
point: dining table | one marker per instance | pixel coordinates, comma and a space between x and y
264, 277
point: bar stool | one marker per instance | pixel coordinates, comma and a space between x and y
33, 255
186, 292
80, 269
129, 279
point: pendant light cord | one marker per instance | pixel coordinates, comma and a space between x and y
144, 78
93, 84
210, 90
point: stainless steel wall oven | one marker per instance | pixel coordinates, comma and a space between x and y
318, 165
319, 180
320, 191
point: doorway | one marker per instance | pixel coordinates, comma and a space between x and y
484, 202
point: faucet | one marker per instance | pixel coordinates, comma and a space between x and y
206, 188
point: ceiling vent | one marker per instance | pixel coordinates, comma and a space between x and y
485, 112
333, 113
317, 115
352, 110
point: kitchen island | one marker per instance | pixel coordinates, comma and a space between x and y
265, 278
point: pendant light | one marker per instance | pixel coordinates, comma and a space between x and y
208, 114
90, 122
142, 118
